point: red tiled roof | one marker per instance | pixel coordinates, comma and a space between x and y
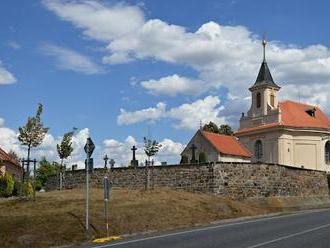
226, 144
5, 157
293, 114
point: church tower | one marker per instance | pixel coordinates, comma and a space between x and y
264, 101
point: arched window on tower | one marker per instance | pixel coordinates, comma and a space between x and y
327, 152
258, 100
258, 149
272, 100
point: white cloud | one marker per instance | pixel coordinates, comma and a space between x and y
14, 45
98, 21
203, 110
121, 152
149, 114
6, 77
67, 59
227, 56
9, 141
186, 116
173, 85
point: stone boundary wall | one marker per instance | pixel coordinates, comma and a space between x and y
234, 180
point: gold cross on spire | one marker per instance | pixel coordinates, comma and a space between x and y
264, 46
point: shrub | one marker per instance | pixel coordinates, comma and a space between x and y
184, 159
17, 187
202, 157
6, 185
27, 189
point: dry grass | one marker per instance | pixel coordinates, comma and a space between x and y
56, 218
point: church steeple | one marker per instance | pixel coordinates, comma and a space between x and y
264, 77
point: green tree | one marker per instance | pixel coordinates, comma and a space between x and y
13, 155
33, 132
44, 171
202, 157
65, 149
211, 127
226, 130
6, 185
151, 147
184, 159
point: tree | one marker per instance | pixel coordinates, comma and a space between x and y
211, 127
151, 147
65, 149
202, 157
33, 133
184, 159
13, 155
44, 171
226, 130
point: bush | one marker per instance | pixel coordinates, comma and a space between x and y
27, 189
17, 187
6, 185
202, 157
184, 159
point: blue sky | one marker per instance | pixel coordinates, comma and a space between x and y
167, 64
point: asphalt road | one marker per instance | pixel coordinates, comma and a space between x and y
303, 229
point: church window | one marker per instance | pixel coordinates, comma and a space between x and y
258, 149
327, 152
258, 100
272, 100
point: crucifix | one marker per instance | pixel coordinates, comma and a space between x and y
134, 162
105, 158
112, 163
193, 156
133, 149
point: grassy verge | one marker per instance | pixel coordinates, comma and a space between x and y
56, 218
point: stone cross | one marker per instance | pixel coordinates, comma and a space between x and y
105, 158
134, 149
112, 163
193, 156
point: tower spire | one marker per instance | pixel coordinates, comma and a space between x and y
264, 46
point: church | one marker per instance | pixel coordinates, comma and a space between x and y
281, 132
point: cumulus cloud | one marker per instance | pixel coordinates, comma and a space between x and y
173, 85
98, 21
9, 141
186, 116
68, 59
222, 55
148, 114
121, 152
6, 77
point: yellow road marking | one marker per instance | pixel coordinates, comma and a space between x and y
106, 239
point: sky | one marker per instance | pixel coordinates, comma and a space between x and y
122, 70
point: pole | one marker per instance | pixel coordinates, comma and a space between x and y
34, 179
86, 196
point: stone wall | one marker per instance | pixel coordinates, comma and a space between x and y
235, 180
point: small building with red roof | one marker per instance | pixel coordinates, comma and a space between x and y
284, 132
216, 148
10, 165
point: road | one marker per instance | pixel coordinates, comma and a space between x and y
301, 229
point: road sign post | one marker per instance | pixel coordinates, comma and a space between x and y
107, 195
89, 148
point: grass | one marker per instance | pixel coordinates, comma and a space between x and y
56, 218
